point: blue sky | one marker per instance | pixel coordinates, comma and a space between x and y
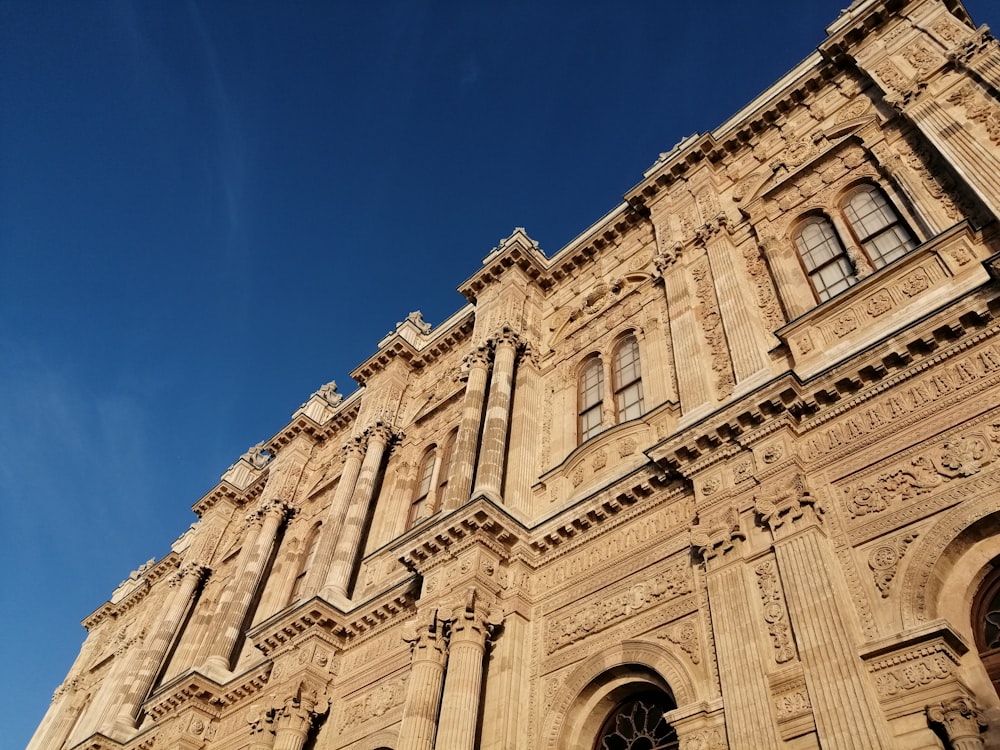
208, 210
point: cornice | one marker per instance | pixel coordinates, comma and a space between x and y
527, 258
786, 401
396, 347
162, 568
319, 618
209, 695
226, 492
480, 521
605, 509
737, 133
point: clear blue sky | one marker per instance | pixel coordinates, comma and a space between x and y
207, 210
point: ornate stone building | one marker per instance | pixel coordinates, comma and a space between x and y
724, 472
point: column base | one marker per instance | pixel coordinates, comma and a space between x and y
218, 669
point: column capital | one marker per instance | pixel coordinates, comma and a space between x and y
962, 720
354, 446
480, 357
381, 432
717, 535
189, 570
506, 337
425, 634
666, 258
788, 502
472, 618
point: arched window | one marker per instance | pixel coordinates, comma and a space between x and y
445, 468
628, 380
591, 398
825, 259
307, 559
876, 225
638, 724
986, 624
876, 232
422, 492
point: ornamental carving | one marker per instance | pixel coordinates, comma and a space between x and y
921, 57
767, 302
774, 612
711, 322
706, 739
913, 671
978, 109
890, 75
717, 534
373, 704
947, 29
879, 304
785, 502
610, 610
884, 559
915, 283
955, 458
685, 636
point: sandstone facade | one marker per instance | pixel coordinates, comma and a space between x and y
723, 473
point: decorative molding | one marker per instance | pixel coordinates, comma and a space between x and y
775, 611
884, 559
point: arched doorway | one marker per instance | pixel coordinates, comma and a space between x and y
638, 723
986, 623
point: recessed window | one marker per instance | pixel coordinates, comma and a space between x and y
876, 232
628, 380
591, 398
825, 259
877, 226
425, 481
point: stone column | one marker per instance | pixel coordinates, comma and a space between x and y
690, 361
184, 583
423, 689
492, 456
463, 683
293, 721
237, 598
463, 460
354, 451
744, 333
962, 720
749, 717
345, 556
844, 704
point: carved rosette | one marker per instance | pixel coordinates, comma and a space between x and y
884, 560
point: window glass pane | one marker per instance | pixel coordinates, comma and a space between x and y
426, 473
629, 402
590, 423
817, 243
894, 242
591, 384
868, 212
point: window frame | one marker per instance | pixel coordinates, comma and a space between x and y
585, 429
620, 388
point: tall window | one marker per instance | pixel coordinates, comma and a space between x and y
628, 380
445, 467
591, 398
877, 226
422, 492
307, 559
826, 262
876, 230
638, 724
